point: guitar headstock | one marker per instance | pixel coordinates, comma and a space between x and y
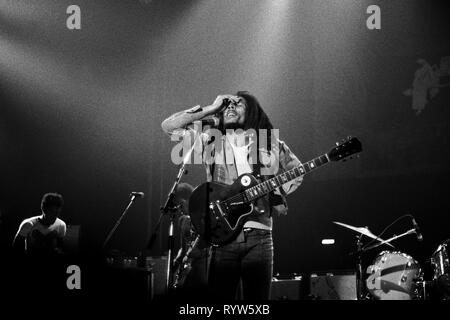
345, 149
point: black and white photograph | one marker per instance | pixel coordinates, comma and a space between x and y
221, 159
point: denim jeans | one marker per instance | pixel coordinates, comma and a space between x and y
248, 258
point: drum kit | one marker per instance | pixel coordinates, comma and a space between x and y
394, 275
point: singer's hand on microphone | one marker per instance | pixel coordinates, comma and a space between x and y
219, 104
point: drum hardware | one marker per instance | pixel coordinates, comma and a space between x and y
393, 275
411, 231
440, 263
359, 274
440, 260
363, 231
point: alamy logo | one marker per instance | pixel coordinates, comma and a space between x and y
74, 279
73, 22
243, 148
374, 20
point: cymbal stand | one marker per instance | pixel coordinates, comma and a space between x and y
359, 274
411, 231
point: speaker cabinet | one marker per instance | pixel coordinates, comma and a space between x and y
291, 289
159, 265
119, 283
337, 285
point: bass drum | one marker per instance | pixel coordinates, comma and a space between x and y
394, 276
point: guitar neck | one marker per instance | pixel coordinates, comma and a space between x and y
270, 185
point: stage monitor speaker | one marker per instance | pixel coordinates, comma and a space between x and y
336, 285
287, 289
127, 283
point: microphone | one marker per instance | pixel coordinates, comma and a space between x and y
137, 194
226, 102
417, 229
212, 121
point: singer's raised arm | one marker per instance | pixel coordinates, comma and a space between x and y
183, 118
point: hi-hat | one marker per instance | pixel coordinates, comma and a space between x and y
363, 230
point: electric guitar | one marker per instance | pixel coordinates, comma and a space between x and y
218, 210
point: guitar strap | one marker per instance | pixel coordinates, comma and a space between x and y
274, 199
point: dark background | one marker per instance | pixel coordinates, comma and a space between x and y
80, 113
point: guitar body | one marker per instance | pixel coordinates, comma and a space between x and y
218, 210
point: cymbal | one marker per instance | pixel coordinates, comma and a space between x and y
363, 230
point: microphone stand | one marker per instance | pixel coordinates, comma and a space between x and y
133, 197
411, 231
171, 208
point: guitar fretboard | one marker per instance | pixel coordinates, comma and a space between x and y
270, 185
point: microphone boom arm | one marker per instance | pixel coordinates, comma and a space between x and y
411, 231
133, 197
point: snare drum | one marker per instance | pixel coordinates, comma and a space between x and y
393, 276
440, 260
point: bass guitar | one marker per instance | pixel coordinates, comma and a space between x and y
185, 266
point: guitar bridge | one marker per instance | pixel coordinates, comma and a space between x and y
220, 208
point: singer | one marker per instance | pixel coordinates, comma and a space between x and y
249, 257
